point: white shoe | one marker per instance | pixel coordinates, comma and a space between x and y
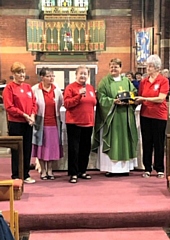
29, 180
160, 175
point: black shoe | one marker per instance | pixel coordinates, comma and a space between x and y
32, 166
84, 176
73, 179
51, 177
123, 174
109, 174
44, 177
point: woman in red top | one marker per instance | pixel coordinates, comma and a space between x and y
154, 113
47, 127
79, 101
21, 108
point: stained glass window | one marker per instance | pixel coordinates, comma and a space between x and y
77, 3
81, 3
64, 3
48, 3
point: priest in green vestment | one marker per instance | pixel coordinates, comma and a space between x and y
115, 135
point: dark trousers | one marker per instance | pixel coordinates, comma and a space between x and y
24, 130
79, 146
153, 137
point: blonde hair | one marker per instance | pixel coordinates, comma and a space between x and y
82, 66
17, 67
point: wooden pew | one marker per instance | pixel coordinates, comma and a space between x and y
15, 142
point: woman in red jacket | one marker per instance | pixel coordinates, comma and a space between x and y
19, 102
79, 101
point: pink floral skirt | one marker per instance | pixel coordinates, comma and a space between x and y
51, 148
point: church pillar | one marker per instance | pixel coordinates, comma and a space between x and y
73, 2
157, 26
165, 33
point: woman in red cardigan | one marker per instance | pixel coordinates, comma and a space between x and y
19, 102
79, 101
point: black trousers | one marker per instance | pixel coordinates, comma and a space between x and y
153, 137
79, 146
24, 130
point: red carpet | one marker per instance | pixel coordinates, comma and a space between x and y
110, 234
118, 202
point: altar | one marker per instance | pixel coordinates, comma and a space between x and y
62, 163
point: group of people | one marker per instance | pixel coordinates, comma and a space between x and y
135, 78
110, 130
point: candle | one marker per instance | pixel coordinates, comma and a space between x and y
86, 37
51, 40
44, 37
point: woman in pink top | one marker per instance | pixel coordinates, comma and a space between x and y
154, 113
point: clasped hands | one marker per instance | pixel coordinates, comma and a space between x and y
30, 119
82, 91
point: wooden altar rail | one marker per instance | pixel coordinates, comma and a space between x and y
14, 142
168, 160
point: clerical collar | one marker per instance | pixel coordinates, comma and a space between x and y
116, 79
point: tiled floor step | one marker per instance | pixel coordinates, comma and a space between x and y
102, 234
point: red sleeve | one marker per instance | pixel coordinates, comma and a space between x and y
8, 102
164, 88
140, 90
70, 99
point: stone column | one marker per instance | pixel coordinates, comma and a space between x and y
157, 27
165, 33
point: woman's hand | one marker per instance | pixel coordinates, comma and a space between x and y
82, 91
119, 102
26, 116
32, 120
139, 99
29, 119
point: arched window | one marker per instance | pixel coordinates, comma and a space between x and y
81, 3
77, 3
61, 2
48, 3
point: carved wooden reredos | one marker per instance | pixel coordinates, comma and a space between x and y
65, 28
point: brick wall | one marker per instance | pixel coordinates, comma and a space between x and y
119, 33
124, 18
165, 33
13, 36
19, 4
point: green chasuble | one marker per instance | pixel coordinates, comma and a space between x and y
118, 122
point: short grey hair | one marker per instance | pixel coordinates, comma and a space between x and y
155, 60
